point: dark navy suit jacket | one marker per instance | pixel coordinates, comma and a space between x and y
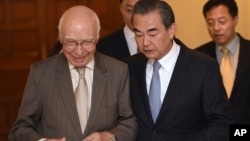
195, 107
240, 97
114, 45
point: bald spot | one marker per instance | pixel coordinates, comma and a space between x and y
78, 17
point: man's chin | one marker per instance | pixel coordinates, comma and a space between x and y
219, 41
78, 64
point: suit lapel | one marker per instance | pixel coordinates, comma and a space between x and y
211, 50
243, 65
98, 91
139, 86
144, 94
177, 82
66, 92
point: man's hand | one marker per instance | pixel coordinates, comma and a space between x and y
99, 136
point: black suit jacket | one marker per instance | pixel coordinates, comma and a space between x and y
240, 97
195, 107
114, 45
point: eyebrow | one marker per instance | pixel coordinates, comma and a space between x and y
70, 39
152, 29
136, 30
218, 18
149, 30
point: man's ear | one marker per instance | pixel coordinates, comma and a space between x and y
171, 30
235, 19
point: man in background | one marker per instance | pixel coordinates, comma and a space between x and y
121, 43
221, 17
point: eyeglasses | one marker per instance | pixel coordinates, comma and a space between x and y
72, 44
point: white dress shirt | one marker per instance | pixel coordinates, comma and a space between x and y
89, 71
130, 38
166, 70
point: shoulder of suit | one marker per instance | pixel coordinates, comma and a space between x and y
116, 34
205, 45
138, 58
51, 61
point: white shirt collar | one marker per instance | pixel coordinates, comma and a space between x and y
129, 34
168, 61
130, 39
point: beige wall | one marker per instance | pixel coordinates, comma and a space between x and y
191, 28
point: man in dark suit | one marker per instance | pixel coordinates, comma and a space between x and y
222, 17
192, 100
121, 43
50, 110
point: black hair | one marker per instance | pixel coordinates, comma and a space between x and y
230, 4
143, 7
